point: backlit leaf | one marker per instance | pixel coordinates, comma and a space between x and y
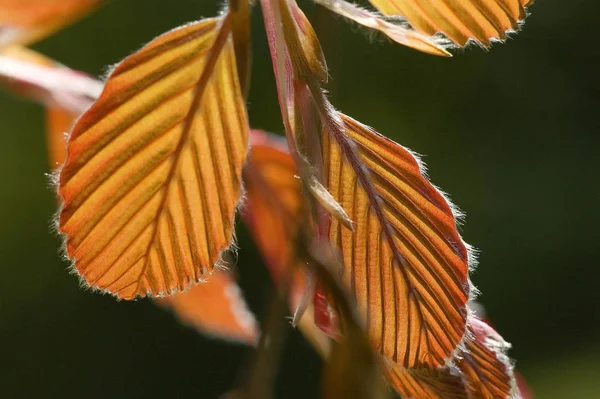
487, 371
352, 370
216, 307
153, 171
26, 21
459, 20
273, 202
405, 263
425, 383
397, 33
483, 371
303, 45
273, 213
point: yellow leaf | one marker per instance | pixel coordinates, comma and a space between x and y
397, 33
459, 20
216, 307
405, 262
26, 21
153, 171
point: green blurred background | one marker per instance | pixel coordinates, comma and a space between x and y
511, 134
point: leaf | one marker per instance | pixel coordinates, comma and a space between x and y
296, 52
34, 76
274, 205
26, 21
352, 370
486, 369
459, 20
405, 263
483, 371
216, 307
153, 173
302, 42
397, 33
425, 383
273, 212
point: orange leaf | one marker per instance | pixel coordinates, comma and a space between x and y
483, 371
486, 369
26, 21
153, 171
425, 383
216, 307
273, 202
273, 214
405, 263
459, 20
353, 369
397, 33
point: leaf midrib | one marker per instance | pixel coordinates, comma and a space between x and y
212, 58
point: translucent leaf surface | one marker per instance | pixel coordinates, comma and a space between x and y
397, 33
153, 171
459, 20
405, 263
353, 369
216, 307
482, 370
25, 21
273, 213
425, 383
487, 371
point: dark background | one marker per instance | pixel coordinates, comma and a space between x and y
511, 134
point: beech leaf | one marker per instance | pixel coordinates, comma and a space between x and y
482, 370
397, 33
153, 171
273, 212
487, 371
216, 307
405, 262
459, 20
